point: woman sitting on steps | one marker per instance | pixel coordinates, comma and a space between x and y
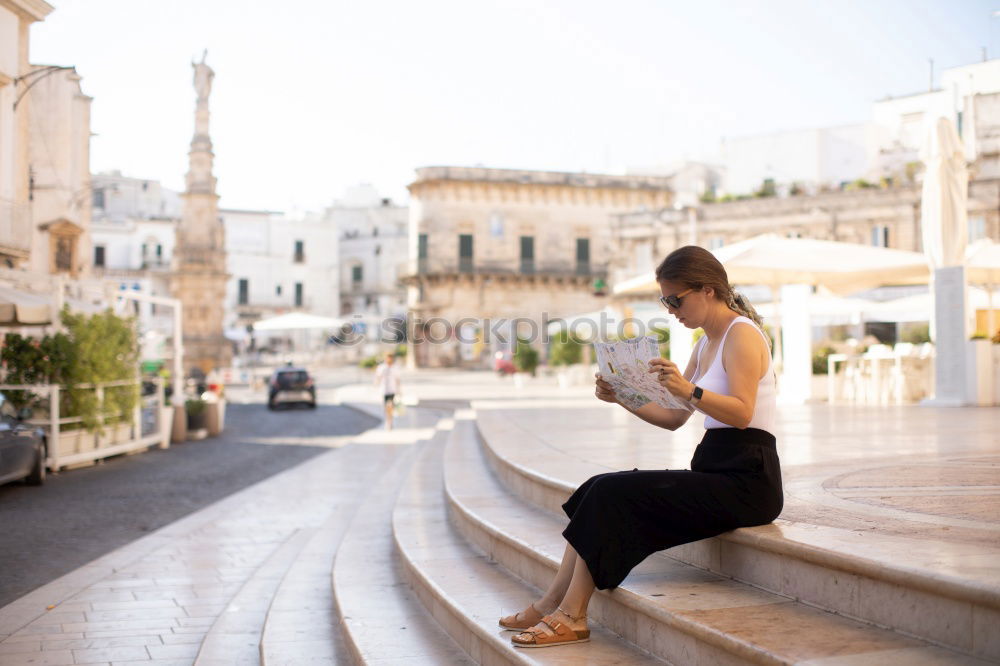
620, 518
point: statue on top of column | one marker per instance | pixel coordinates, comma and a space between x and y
203, 78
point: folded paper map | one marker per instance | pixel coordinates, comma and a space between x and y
625, 365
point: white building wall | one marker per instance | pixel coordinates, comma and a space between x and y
903, 123
811, 157
373, 234
260, 248
118, 197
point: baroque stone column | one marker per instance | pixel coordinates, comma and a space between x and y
199, 261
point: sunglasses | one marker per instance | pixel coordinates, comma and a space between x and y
674, 300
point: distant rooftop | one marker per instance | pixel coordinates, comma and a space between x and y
525, 177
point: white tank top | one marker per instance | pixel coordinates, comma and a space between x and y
716, 380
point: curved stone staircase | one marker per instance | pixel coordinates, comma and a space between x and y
425, 545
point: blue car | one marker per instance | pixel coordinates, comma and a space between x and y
22, 446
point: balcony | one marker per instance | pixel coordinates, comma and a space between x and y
464, 266
15, 229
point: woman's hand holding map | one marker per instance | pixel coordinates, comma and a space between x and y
625, 371
671, 378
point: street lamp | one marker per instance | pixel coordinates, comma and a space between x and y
41, 74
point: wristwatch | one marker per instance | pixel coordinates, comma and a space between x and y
696, 395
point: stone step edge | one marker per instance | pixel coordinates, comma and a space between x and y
931, 602
757, 538
388, 485
490, 648
467, 521
342, 514
278, 563
417, 579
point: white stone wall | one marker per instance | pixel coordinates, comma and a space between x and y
904, 122
16, 226
59, 159
119, 197
811, 157
260, 248
373, 235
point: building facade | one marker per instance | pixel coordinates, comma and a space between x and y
277, 264
811, 159
373, 240
884, 217
133, 231
494, 244
885, 148
59, 173
16, 75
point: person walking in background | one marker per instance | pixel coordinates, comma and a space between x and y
387, 377
618, 519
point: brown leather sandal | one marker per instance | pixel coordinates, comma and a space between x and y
525, 619
537, 637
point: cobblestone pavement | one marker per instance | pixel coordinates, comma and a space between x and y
81, 514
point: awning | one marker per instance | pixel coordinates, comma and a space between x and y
24, 308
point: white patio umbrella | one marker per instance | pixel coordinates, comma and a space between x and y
943, 214
842, 268
772, 260
297, 321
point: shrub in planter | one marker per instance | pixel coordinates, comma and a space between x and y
565, 350
525, 357
197, 417
94, 349
819, 360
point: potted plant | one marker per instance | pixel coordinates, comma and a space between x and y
196, 414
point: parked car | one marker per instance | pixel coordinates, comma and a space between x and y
22, 446
290, 384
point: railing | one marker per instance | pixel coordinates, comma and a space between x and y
513, 267
148, 424
15, 227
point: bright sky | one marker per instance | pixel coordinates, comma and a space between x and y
313, 96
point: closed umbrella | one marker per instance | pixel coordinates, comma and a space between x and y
943, 214
945, 234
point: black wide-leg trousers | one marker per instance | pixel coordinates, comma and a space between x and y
620, 518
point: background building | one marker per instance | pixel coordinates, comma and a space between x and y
490, 244
886, 148
810, 158
279, 263
16, 224
59, 172
373, 234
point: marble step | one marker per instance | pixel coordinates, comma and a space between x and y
679, 612
464, 591
234, 637
302, 625
382, 621
885, 580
